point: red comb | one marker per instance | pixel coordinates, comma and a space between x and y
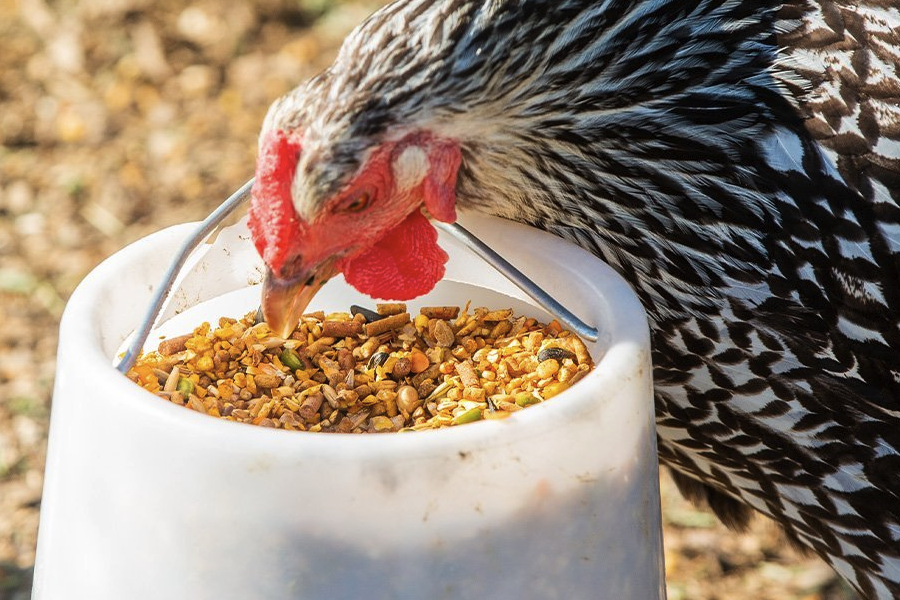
273, 220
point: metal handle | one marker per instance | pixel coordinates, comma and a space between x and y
533, 290
207, 227
212, 222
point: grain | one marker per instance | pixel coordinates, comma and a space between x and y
467, 373
408, 399
387, 324
338, 373
390, 308
266, 380
418, 361
173, 345
341, 328
442, 333
440, 312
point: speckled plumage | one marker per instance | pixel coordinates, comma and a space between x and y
738, 162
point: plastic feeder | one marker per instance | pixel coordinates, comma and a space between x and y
146, 499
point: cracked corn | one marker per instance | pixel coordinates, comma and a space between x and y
367, 371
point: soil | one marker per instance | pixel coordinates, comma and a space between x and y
120, 117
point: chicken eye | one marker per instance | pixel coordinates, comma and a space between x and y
359, 203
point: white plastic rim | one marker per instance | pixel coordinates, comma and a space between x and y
145, 499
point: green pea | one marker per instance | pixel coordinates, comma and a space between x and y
526, 399
470, 416
185, 386
291, 360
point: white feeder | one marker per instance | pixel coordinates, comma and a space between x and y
146, 499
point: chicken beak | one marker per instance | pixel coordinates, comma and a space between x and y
285, 299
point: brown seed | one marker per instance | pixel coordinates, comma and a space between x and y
508, 406
468, 328
339, 329
473, 393
266, 380
221, 359
320, 345
347, 397
330, 396
384, 384
443, 335
436, 354
330, 367
500, 329
173, 345
172, 380
425, 388
401, 368
460, 353
369, 348
497, 315
383, 395
345, 359
390, 308
565, 373
387, 324
579, 374
390, 405
196, 403
467, 374
432, 372
581, 352
311, 405
440, 312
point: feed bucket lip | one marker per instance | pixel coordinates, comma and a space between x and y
86, 302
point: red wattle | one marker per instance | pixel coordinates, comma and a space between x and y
403, 265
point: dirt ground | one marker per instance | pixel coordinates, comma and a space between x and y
119, 117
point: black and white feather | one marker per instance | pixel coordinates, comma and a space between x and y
739, 163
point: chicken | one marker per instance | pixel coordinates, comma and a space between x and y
737, 162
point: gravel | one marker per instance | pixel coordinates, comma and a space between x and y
120, 117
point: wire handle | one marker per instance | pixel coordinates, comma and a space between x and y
533, 290
204, 230
212, 222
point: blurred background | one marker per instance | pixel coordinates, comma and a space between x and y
121, 117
